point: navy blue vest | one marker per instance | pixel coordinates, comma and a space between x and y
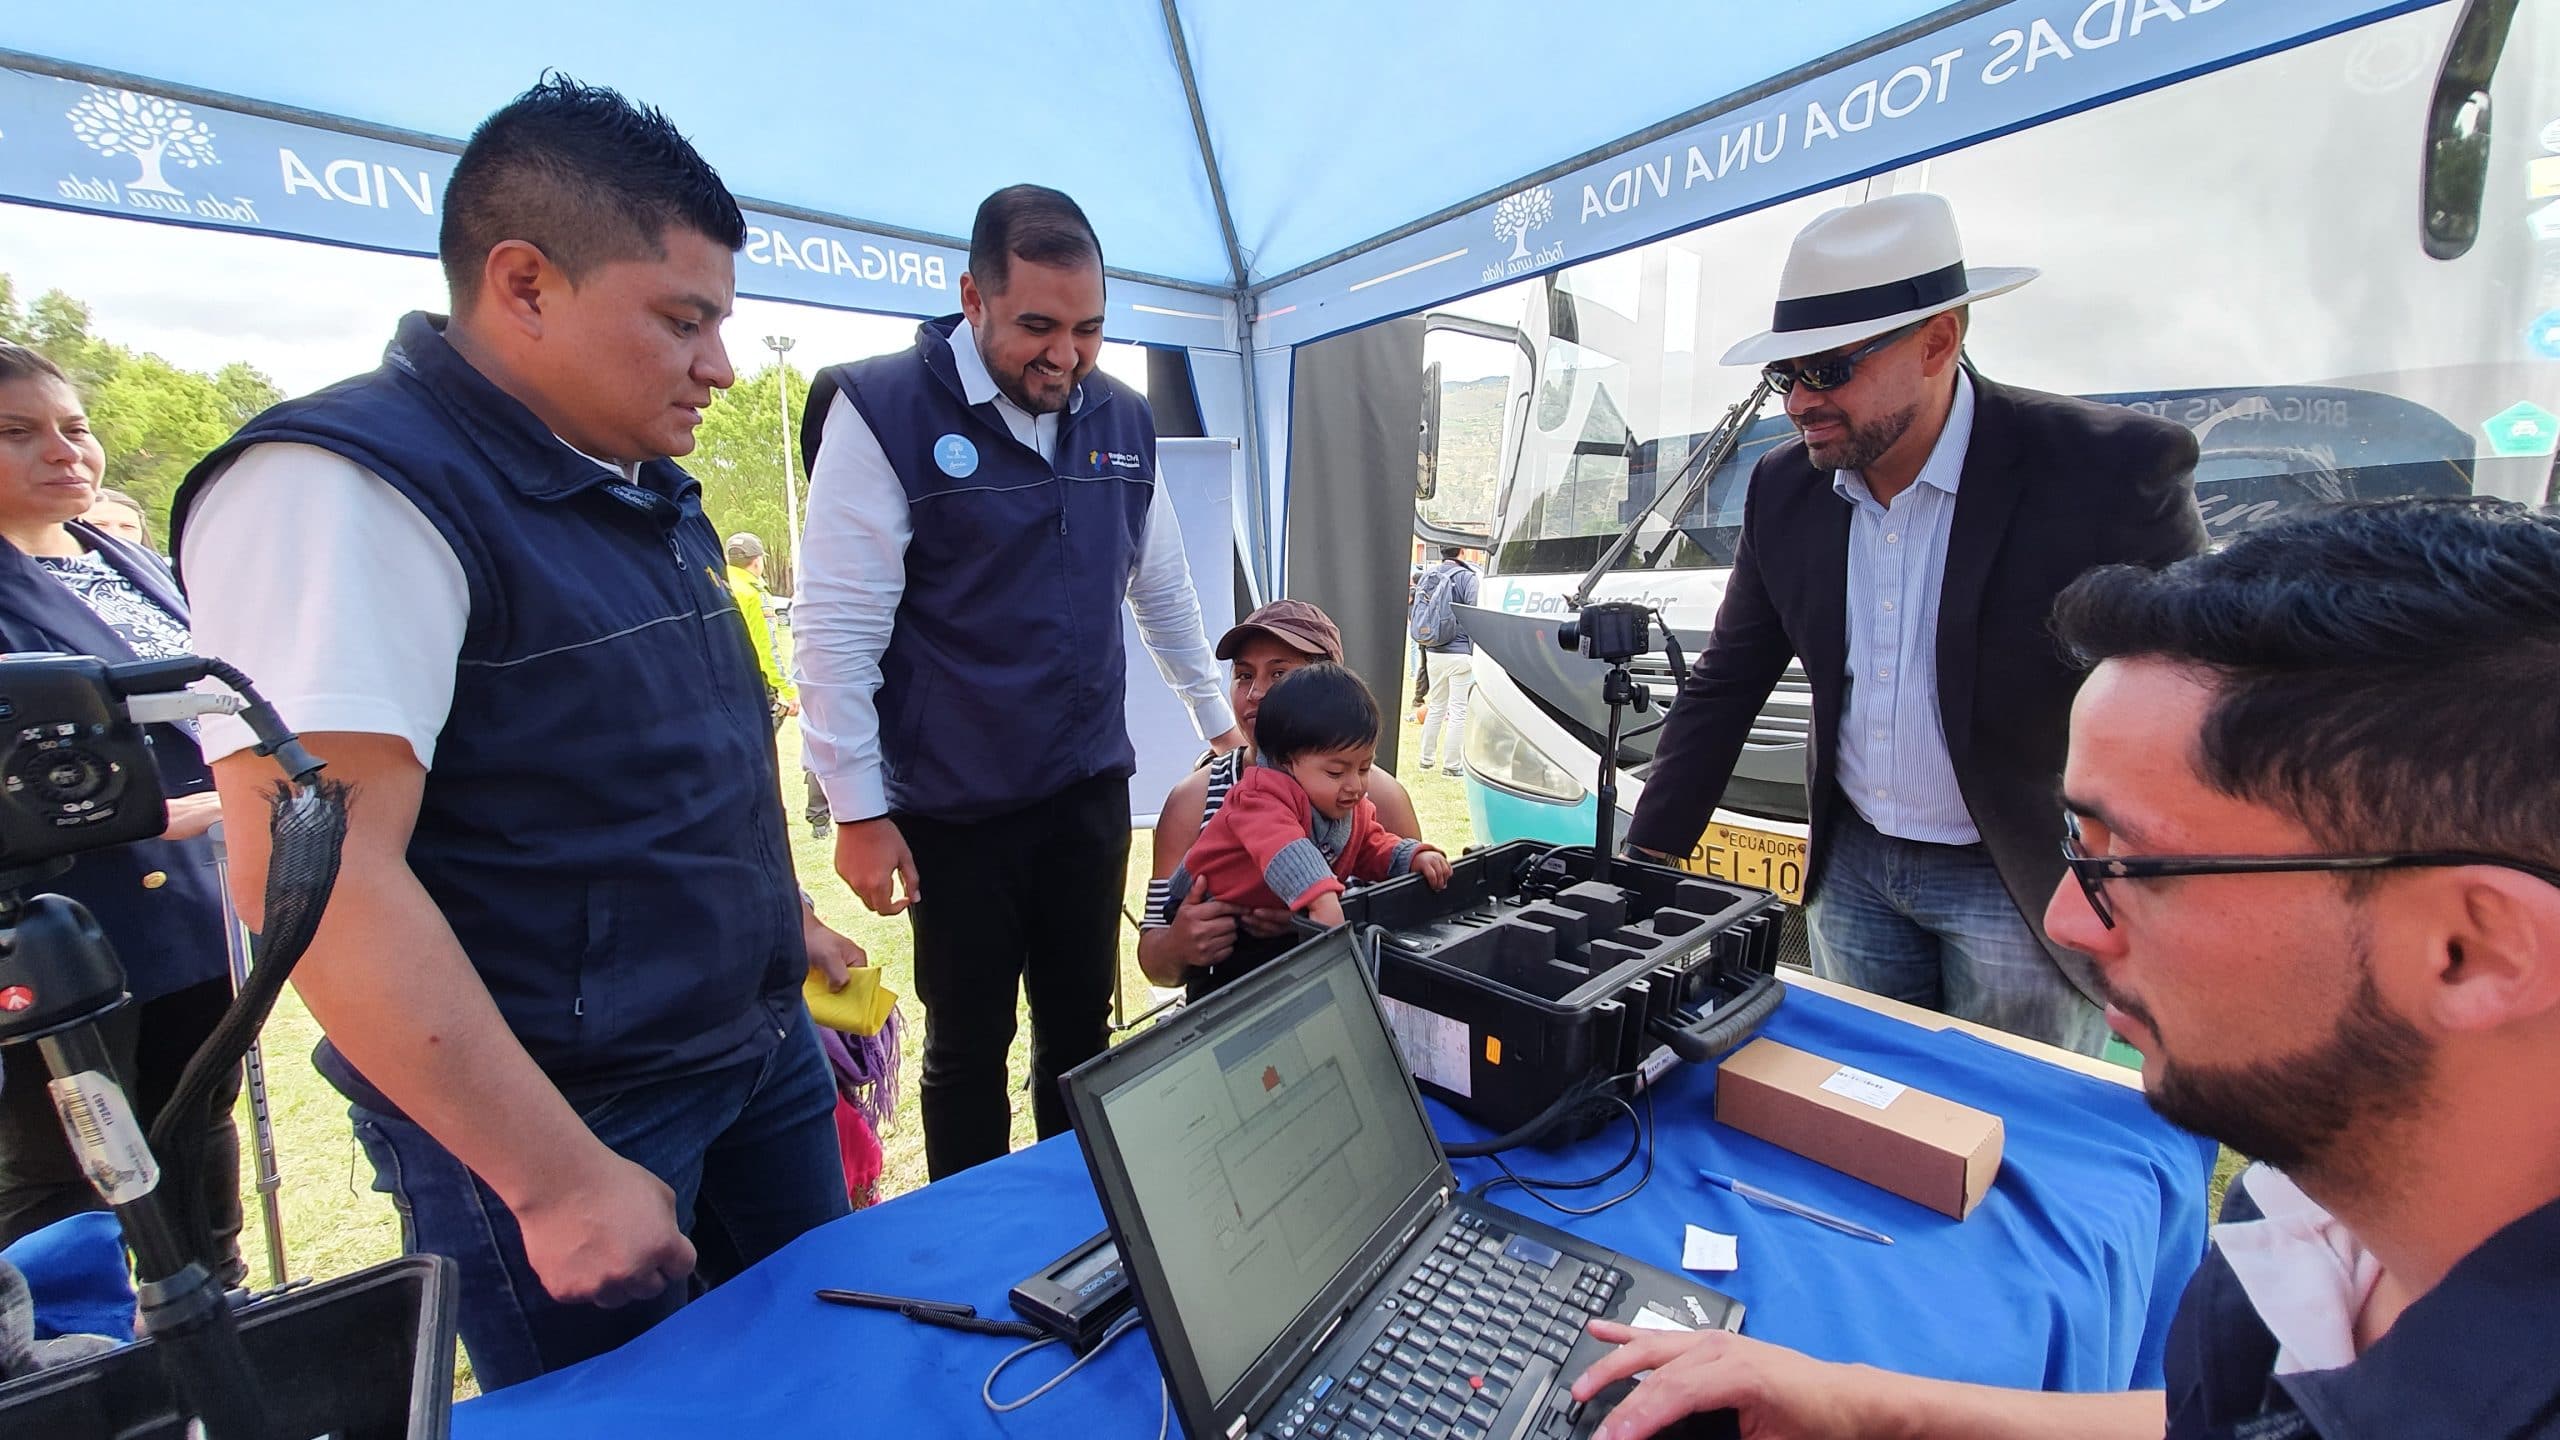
1004, 679
602, 826
158, 900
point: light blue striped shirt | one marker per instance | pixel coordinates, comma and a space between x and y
1893, 761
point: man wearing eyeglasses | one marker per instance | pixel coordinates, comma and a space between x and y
2316, 830
1909, 548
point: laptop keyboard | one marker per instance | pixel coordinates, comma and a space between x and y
1485, 1315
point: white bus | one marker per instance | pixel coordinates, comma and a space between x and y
2245, 252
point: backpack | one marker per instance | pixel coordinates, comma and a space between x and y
1433, 621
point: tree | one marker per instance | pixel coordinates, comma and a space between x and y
147, 127
58, 326
246, 391
738, 457
13, 321
1519, 214
156, 421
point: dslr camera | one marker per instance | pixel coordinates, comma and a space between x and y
1612, 632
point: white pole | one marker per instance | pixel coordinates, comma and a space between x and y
781, 347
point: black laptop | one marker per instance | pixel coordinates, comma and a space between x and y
1304, 1258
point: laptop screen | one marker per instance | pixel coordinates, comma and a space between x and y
1262, 1157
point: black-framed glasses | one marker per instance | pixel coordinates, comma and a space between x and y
2094, 871
1831, 371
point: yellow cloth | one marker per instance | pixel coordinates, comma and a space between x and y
860, 1008
748, 591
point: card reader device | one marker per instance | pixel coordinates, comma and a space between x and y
1077, 1296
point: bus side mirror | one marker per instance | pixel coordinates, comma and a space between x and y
2455, 168
1426, 475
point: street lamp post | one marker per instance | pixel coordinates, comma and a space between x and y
781, 345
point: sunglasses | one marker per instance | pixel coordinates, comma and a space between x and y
2094, 871
1831, 371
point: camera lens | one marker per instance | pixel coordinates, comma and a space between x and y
1569, 635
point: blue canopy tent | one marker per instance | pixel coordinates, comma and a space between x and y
1262, 178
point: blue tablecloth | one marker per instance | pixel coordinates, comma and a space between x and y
2064, 1278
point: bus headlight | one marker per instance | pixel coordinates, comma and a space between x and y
1500, 755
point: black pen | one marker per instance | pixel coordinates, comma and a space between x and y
871, 1300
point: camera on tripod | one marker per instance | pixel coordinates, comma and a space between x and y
1612, 632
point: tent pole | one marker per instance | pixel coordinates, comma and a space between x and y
1266, 565
1265, 568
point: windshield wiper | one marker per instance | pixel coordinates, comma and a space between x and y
1684, 487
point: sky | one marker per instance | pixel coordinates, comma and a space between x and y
310, 314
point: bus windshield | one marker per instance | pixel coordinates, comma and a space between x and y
2238, 252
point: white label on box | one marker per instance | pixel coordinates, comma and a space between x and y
1708, 1250
1434, 1046
1852, 1083
113, 1153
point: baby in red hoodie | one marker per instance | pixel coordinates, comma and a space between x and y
1298, 821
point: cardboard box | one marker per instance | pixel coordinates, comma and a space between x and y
1920, 1147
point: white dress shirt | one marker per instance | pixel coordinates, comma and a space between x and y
853, 574
1892, 759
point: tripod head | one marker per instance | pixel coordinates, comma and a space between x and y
55, 985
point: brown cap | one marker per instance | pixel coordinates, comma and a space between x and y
1294, 623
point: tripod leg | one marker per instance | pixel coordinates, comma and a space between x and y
270, 1179
261, 1121
183, 1309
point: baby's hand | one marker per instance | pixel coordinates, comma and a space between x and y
1432, 866
1325, 910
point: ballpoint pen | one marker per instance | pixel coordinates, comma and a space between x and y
1758, 1196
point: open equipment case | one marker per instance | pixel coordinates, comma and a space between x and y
1542, 977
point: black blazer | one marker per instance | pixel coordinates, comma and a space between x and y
158, 900
2052, 488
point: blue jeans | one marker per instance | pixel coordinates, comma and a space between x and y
1933, 926
750, 1151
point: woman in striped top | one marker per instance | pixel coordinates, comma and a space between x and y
1209, 942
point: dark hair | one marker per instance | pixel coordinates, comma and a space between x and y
1028, 222
1314, 709
1452, 552
583, 174
17, 362
2384, 673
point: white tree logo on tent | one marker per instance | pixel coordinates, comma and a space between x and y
1515, 217
152, 130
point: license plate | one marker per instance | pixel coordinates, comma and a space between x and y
1756, 858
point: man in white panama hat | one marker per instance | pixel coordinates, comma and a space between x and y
1908, 547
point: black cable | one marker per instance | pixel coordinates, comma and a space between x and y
1557, 1111
1532, 1185
1635, 1139
307, 830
